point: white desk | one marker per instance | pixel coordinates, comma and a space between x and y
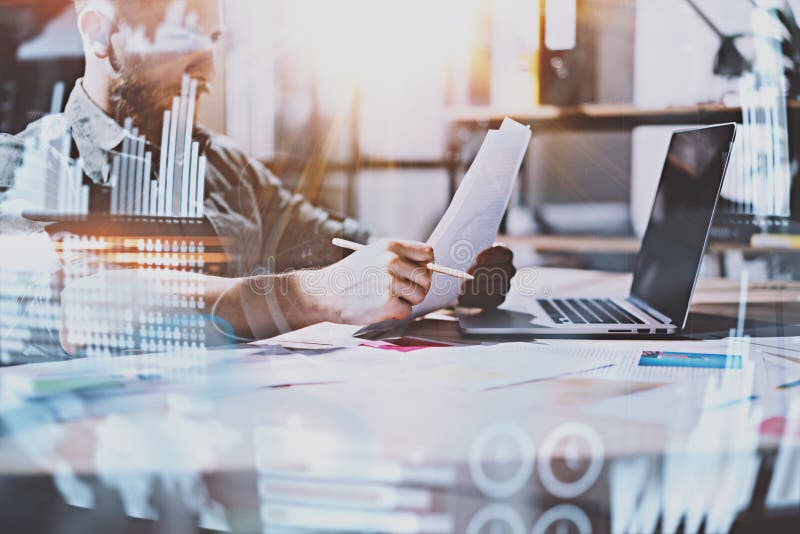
361, 439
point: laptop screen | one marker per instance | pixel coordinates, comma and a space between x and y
673, 246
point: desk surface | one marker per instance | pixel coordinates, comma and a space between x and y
382, 432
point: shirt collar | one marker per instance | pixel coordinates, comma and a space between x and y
95, 133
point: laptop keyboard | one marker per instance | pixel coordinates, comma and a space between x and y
587, 311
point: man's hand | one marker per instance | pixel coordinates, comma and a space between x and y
379, 282
493, 271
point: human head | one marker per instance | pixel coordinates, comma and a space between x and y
137, 52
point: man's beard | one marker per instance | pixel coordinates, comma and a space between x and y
143, 101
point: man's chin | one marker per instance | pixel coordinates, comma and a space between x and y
148, 116
167, 103
204, 88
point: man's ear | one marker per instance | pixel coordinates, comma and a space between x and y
96, 30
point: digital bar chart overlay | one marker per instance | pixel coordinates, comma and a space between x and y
179, 188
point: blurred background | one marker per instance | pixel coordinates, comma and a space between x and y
375, 108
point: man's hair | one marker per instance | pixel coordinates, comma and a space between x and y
80, 5
127, 10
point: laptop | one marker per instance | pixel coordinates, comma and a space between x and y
667, 265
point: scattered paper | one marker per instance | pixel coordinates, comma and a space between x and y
783, 344
404, 344
480, 368
782, 370
674, 405
627, 367
235, 369
327, 336
626, 355
322, 336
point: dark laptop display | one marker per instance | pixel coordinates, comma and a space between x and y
672, 250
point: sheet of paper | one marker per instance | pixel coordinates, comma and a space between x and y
504, 365
680, 403
322, 336
626, 355
477, 368
781, 369
782, 344
673, 405
404, 344
628, 365
471, 222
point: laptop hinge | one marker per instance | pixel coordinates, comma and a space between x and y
649, 309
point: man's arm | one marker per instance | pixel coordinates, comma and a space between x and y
300, 237
382, 281
270, 228
30, 277
379, 282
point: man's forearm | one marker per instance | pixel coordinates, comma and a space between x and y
233, 309
272, 304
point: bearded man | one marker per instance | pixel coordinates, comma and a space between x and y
137, 53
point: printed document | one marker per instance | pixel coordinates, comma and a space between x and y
471, 222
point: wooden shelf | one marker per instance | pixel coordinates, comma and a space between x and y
574, 244
607, 116
569, 244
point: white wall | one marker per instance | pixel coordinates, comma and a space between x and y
403, 204
674, 62
60, 38
675, 50
249, 76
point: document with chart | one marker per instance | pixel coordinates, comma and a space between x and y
471, 222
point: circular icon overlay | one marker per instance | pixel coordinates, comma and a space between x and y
501, 460
564, 518
576, 473
496, 518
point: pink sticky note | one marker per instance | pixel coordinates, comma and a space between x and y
403, 344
